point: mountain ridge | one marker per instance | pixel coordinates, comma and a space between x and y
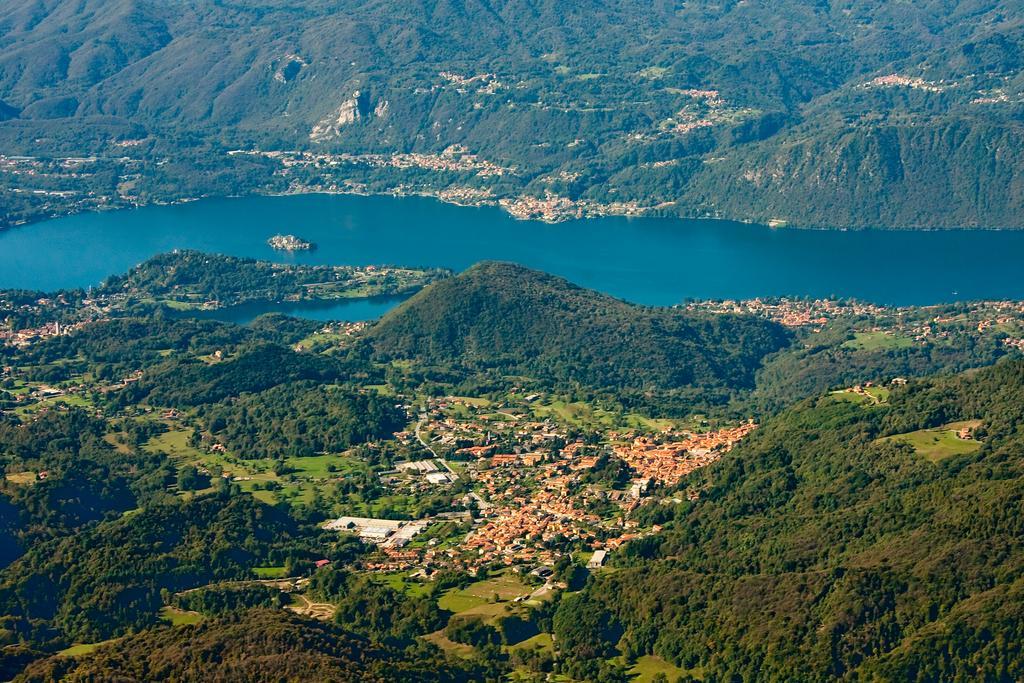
644, 104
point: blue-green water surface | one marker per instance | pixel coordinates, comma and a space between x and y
654, 261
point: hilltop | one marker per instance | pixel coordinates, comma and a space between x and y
516, 320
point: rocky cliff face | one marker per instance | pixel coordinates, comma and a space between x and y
359, 107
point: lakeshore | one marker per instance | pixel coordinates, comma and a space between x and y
652, 261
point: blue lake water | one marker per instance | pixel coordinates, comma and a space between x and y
646, 260
352, 310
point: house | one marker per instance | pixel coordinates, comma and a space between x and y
597, 559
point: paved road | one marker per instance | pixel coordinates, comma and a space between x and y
424, 443
431, 449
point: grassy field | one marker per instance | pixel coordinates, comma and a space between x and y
506, 586
22, 478
541, 641
877, 341
400, 582
316, 465
175, 444
648, 666
457, 601
880, 394
270, 572
308, 474
936, 445
178, 617
73, 400
478, 598
82, 649
872, 396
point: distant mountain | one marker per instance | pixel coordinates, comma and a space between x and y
504, 316
839, 542
879, 115
7, 111
255, 646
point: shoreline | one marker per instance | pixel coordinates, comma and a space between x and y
585, 211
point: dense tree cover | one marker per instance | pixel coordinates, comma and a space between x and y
198, 277
107, 579
85, 479
190, 381
302, 418
821, 552
379, 612
218, 600
191, 479
112, 349
258, 646
822, 548
472, 632
516, 320
821, 362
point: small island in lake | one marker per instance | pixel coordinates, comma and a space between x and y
290, 243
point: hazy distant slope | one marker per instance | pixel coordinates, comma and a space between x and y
506, 316
602, 99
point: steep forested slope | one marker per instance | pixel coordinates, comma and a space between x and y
498, 315
827, 547
102, 582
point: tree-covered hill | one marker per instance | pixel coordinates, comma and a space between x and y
516, 320
254, 646
188, 279
826, 114
188, 381
828, 548
99, 583
301, 418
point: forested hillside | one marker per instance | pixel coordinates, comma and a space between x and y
98, 584
829, 547
867, 115
253, 646
499, 315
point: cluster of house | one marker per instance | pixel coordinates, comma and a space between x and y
553, 208
790, 312
974, 318
455, 158
488, 82
30, 335
900, 81
533, 491
1014, 343
667, 459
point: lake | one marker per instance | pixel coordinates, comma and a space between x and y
654, 261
